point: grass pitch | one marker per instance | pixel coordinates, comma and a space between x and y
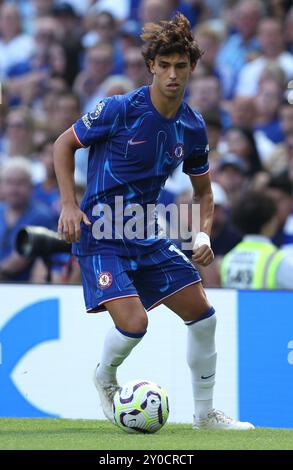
63, 434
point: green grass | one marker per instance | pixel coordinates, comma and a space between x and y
51, 434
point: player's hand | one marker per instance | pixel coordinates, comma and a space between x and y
202, 252
69, 223
203, 255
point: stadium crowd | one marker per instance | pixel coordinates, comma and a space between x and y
58, 59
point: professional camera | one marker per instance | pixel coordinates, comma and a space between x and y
39, 241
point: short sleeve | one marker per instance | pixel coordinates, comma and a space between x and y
99, 124
196, 162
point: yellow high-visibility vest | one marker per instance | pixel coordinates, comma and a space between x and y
251, 265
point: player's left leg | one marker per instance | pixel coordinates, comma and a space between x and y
191, 304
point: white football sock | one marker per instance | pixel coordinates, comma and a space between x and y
117, 346
201, 358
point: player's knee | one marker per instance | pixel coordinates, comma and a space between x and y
140, 324
137, 324
195, 304
196, 310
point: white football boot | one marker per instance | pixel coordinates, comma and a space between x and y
106, 392
218, 420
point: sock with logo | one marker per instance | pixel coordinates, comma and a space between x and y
117, 346
201, 358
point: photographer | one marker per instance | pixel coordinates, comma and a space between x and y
58, 265
18, 210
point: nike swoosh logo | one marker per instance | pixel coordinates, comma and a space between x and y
207, 377
136, 142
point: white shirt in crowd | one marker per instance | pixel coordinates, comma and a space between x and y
16, 51
249, 76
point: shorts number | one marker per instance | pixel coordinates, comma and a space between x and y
179, 252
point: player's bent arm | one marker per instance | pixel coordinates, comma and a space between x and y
204, 196
202, 252
71, 215
64, 149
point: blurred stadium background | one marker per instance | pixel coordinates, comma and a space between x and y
57, 60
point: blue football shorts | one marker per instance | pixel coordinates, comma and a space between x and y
152, 277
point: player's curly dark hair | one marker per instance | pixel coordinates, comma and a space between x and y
169, 37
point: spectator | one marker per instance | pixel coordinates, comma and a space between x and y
47, 32
241, 142
103, 29
242, 111
64, 112
267, 105
278, 160
19, 132
98, 66
57, 61
231, 174
242, 46
15, 47
214, 132
47, 192
155, 10
224, 236
27, 78
205, 96
18, 210
54, 87
69, 23
280, 189
135, 68
273, 71
209, 40
255, 263
281, 158
278, 8
42, 8
271, 38
19, 140
286, 114
116, 85
129, 34
120, 10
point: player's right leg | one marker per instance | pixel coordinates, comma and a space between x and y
107, 286
130, 324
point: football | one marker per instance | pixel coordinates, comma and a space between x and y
140, 406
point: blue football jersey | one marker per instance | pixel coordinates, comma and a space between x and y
133, 150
